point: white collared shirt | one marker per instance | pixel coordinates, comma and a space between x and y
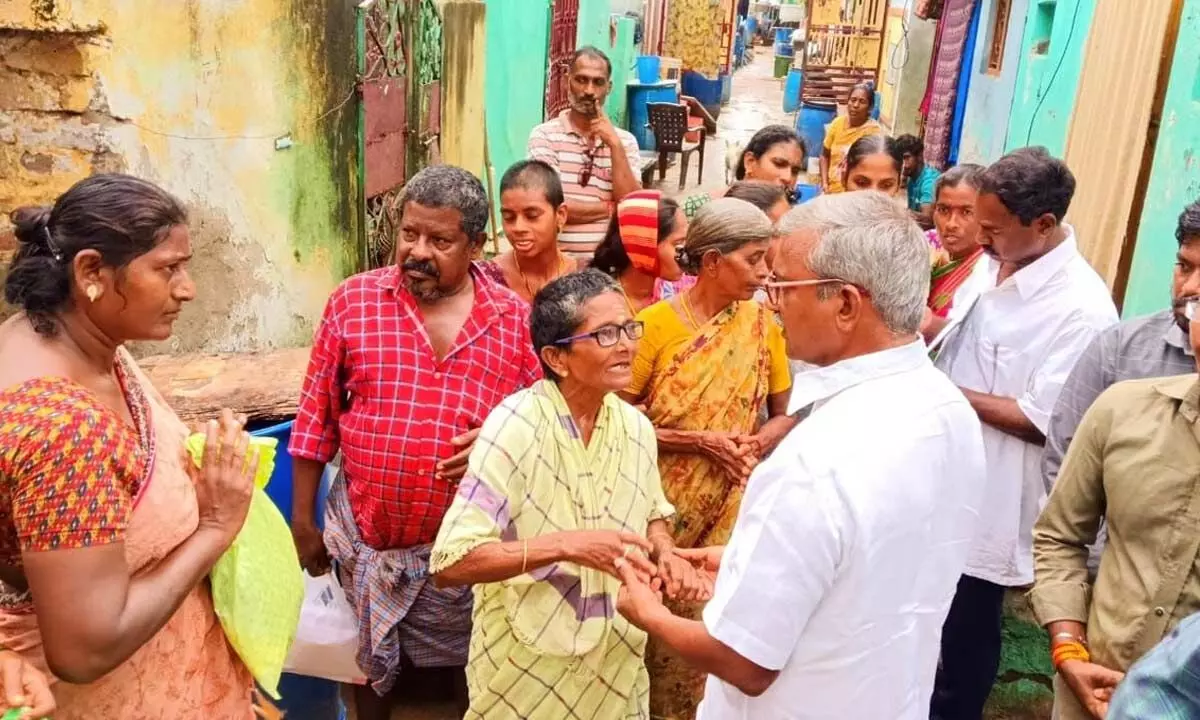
1020, 340
850, 541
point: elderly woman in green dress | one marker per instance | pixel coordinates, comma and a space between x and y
562, 488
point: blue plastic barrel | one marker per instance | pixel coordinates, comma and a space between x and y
752, 24
279, 489
791, 90
805, 192
649, 67
304, 698
640, 97
811, 125
783, 41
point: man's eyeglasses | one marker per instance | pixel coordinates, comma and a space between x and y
773, 286
608, 335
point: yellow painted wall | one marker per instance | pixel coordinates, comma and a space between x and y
193, 94
889, 76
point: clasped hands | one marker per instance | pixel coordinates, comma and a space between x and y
736, 454
655, 563
641, 596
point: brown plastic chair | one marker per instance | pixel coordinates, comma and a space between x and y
669, 123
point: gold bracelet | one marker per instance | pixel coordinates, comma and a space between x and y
524, 555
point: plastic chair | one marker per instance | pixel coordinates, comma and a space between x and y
669, 123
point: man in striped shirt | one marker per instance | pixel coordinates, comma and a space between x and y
594, 159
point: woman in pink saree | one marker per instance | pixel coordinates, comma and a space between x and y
107, 533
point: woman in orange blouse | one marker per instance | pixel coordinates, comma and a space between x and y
107, 534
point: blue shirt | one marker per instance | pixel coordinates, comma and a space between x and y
920, 188
1165, 684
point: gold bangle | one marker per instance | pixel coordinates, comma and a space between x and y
524, 555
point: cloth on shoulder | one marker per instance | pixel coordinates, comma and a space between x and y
549, 643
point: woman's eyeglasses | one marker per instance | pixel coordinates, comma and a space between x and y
773, 286
609, 335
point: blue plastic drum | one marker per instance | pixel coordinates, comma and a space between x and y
791, 91
304, 698
811, 125
783, 41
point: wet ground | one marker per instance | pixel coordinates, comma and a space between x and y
756, 100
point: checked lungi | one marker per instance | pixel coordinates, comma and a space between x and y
403, 619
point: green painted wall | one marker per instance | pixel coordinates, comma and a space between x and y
1175, 175
622, 55
1055, 35
593, 24
517, 39
613, 35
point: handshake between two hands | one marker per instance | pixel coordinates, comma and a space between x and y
678, 574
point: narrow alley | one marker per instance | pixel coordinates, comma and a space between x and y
416, 259
756, 100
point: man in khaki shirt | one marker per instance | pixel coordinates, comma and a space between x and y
1133, 460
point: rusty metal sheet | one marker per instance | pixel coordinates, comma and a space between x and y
386, 119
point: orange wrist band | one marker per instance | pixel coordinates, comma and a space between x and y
1070, 650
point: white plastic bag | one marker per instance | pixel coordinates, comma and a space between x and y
327, 638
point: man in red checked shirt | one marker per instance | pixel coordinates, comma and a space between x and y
407, 363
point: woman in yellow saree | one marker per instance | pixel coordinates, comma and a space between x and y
562, 487
709, 361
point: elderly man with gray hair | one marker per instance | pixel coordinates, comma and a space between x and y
407, 363
831, 594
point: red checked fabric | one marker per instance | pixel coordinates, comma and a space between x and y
376, 391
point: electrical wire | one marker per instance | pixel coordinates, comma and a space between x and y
901, 45
1053, 75
272, 136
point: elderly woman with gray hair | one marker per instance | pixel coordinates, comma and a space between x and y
711, 358
562, 488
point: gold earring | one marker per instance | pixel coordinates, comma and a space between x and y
93, 292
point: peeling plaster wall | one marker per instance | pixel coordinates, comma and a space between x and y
1174, 179
192, 95
985, 124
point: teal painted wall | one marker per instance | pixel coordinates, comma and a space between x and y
613, 36
517, 38
622, 55
593, 27
1175, 176
1056, 32
985, 125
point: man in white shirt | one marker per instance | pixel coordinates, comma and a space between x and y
830, 596
1011, 354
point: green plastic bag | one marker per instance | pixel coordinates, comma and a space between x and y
257, 585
